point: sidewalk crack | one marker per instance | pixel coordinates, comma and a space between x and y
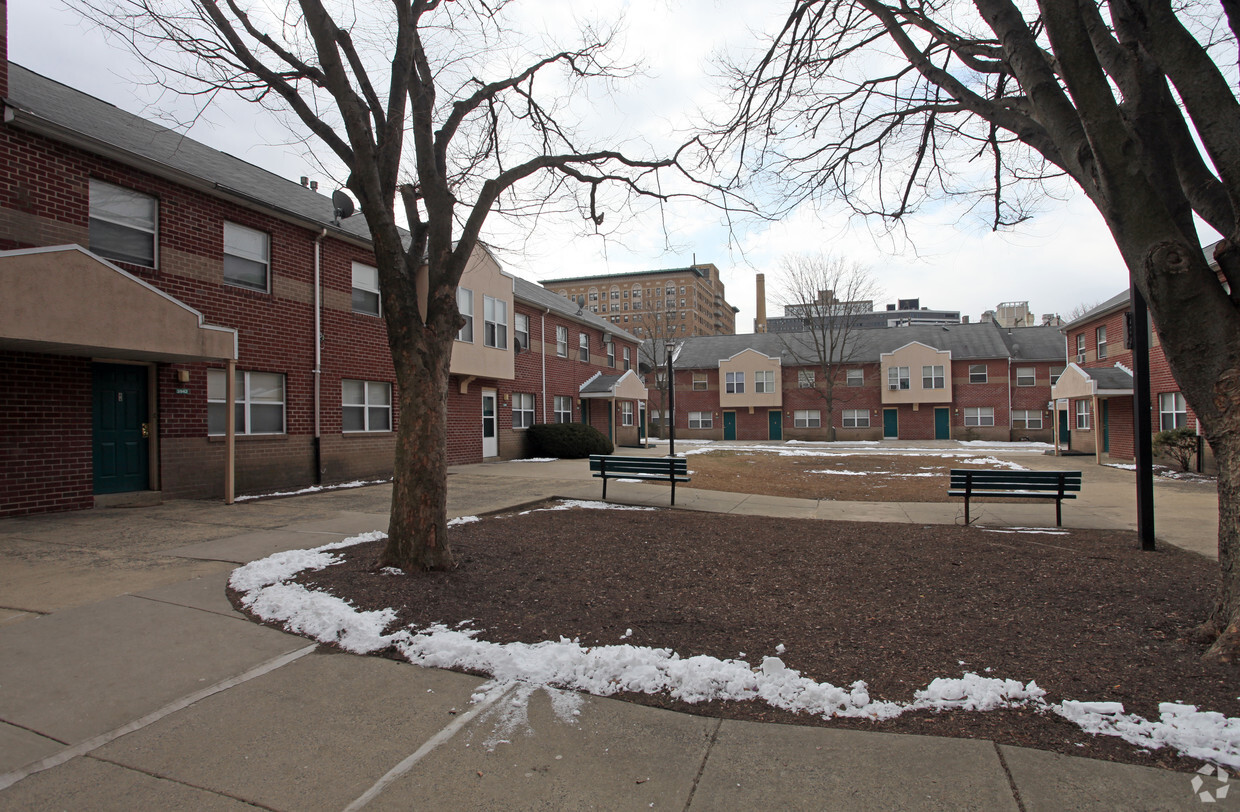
1011, 781
710, 746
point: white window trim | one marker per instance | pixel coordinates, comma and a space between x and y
561, 342
898, 379
977, 416
465, 305
1032, 376
363, 288
1084, 416
762, 384
937, 377
805, 379
242, 394
807, 419
366, 406
734, 383
860, 419
626, 413
492, 334
567, 413
1177, 400
701, 420
521, 400
974, 372
264, 259
1027, 417
518, 331
153, 231
860, 375
700, 378
583, 347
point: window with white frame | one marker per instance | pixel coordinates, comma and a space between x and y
1080, 348
1082, 415
856, 419
1026, 376
626, 413
898, 378
247, 257
563, 407
628, 360
805, 379
465, 304
807, 419
764, 382
123, 224
365, 406
561, 342
855, 377
610, 346
258, 404
701, 420
932, 377
1026, 418
366, 289
1172, 411
1100, 336
583, 347
521, 330
699, 382
979, 415
735, 383
977, 373
494, 323
522, 410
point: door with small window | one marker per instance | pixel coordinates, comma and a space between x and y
490, 437
119, 428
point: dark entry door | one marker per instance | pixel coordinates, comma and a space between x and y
775, 424
942, 424
1065, 431
891, 424
1106, 427
119, 442
729, 425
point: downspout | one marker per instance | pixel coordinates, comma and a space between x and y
318, 356
543, 341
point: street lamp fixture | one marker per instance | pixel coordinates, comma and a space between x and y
671, 402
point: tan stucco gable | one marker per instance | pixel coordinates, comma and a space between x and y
748, 362
916, 355
483, 277
1073, 383
65, 300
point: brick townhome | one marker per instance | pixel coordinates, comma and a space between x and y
960, 381
137, 266
1095, 394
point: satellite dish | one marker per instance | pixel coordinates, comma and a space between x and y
343, 204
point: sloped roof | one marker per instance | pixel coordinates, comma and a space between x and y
1110, 377
1035, 343
44, 104
1116, 302
600, 384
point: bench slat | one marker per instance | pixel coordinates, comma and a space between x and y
663, 469
1057, 485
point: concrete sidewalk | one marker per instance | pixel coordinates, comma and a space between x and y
128, 681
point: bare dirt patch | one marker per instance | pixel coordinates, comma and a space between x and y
1085, 614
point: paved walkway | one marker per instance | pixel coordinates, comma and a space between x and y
127, 681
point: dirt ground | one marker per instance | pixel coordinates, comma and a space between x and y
1084, 613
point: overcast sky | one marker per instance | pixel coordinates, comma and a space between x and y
1063, 258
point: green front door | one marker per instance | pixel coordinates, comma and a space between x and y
942, 424
1106, 428
1065, 430
729, 425
891, 424
641, 422
119, 415
775, 424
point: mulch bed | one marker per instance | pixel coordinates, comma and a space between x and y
1086, 615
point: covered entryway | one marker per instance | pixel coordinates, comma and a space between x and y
490, 435
942, 423
775, 424
729, 425
618, 393
891, 424
119, 428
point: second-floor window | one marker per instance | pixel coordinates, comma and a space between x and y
123, 224
699, 381
932, 377
1026, 376
366, 289
494, 323
977, 373
246, 257
898, 378
735, 383
561, 342
1101, 335
628, 361
583, 347
855, 377
465, 304
1080, 348
611, 353
521, 330
764, 382
805, 379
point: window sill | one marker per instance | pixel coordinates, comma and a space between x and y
377, 433
219, 438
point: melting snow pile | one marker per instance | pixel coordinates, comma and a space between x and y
606, 670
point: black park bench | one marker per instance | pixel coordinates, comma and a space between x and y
663, 469
1057, 485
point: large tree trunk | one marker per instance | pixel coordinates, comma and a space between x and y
1224, 622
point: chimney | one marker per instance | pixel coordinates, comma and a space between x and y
964, 319
4, 49
305, 181
759, 324
314, 185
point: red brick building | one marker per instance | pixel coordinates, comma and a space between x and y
1095, 395
138, 266
960, 381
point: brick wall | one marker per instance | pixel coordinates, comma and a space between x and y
45, 434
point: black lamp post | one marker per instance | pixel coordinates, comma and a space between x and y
671, 403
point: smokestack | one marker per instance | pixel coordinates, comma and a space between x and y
759, 324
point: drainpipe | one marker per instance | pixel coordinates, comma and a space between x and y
318, 355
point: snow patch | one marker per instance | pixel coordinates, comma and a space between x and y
357, 483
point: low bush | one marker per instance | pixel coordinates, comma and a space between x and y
1177, 444
566, 440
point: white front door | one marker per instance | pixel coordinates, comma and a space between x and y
490, 437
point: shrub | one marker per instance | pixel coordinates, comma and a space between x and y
1178, 444
566, 440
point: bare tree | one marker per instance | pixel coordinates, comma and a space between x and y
393, 90
890, 104
1081, 309
831, 296
659, 327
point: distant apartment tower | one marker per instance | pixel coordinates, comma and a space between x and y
655, 304
904, 313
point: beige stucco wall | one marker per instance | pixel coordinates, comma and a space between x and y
915, 355
749, 362
1073, 383
630, 387
484, 277
68, 300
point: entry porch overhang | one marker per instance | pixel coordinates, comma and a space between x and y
1078, 382
64, 300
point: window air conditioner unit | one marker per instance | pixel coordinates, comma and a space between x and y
893, 386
